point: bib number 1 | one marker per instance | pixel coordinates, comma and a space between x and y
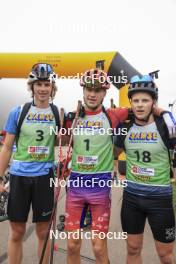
87, 141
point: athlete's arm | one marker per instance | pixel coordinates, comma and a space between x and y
118, 145
171, 127
174, 174
158, 111
5, 156
117, 115
6, 152
120, 114
174, 163
117, 151
118, 173
170, 123
11, 130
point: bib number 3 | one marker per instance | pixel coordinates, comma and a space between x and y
40, 134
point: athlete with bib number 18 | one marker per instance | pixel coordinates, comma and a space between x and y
150, 147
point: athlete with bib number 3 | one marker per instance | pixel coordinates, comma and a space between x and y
149, 146
32, 164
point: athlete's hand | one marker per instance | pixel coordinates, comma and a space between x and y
157, 110
2, 187
121, 177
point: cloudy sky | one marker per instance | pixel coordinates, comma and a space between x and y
142, 31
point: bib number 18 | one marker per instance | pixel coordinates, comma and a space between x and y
146, 156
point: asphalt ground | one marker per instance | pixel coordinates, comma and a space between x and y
117, 248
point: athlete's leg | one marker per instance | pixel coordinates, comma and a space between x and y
100, 205
17, 231
18, 209
162, 222
100, 250
75, 203
133, 222
134, 248
165, 252
41, 230
42, 205
73, 250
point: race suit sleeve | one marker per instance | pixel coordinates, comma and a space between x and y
117, 115
171, 126
12, 121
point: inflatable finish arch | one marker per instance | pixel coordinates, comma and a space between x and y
18, 65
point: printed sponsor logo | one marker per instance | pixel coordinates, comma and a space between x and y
143, 136
46, 213
90, 124
142, 171
80, 159
170, 233
38, 150
40, 117
88, 160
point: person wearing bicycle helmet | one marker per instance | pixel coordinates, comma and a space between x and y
92, 163
32, 163
148, 194
145, 85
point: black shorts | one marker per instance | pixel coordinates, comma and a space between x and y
27, 191
158, 210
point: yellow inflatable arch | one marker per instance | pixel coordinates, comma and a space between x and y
18, 65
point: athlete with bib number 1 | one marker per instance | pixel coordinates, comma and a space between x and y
32, 164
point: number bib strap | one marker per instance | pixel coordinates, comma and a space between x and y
92, 152
35, 142
147, 156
